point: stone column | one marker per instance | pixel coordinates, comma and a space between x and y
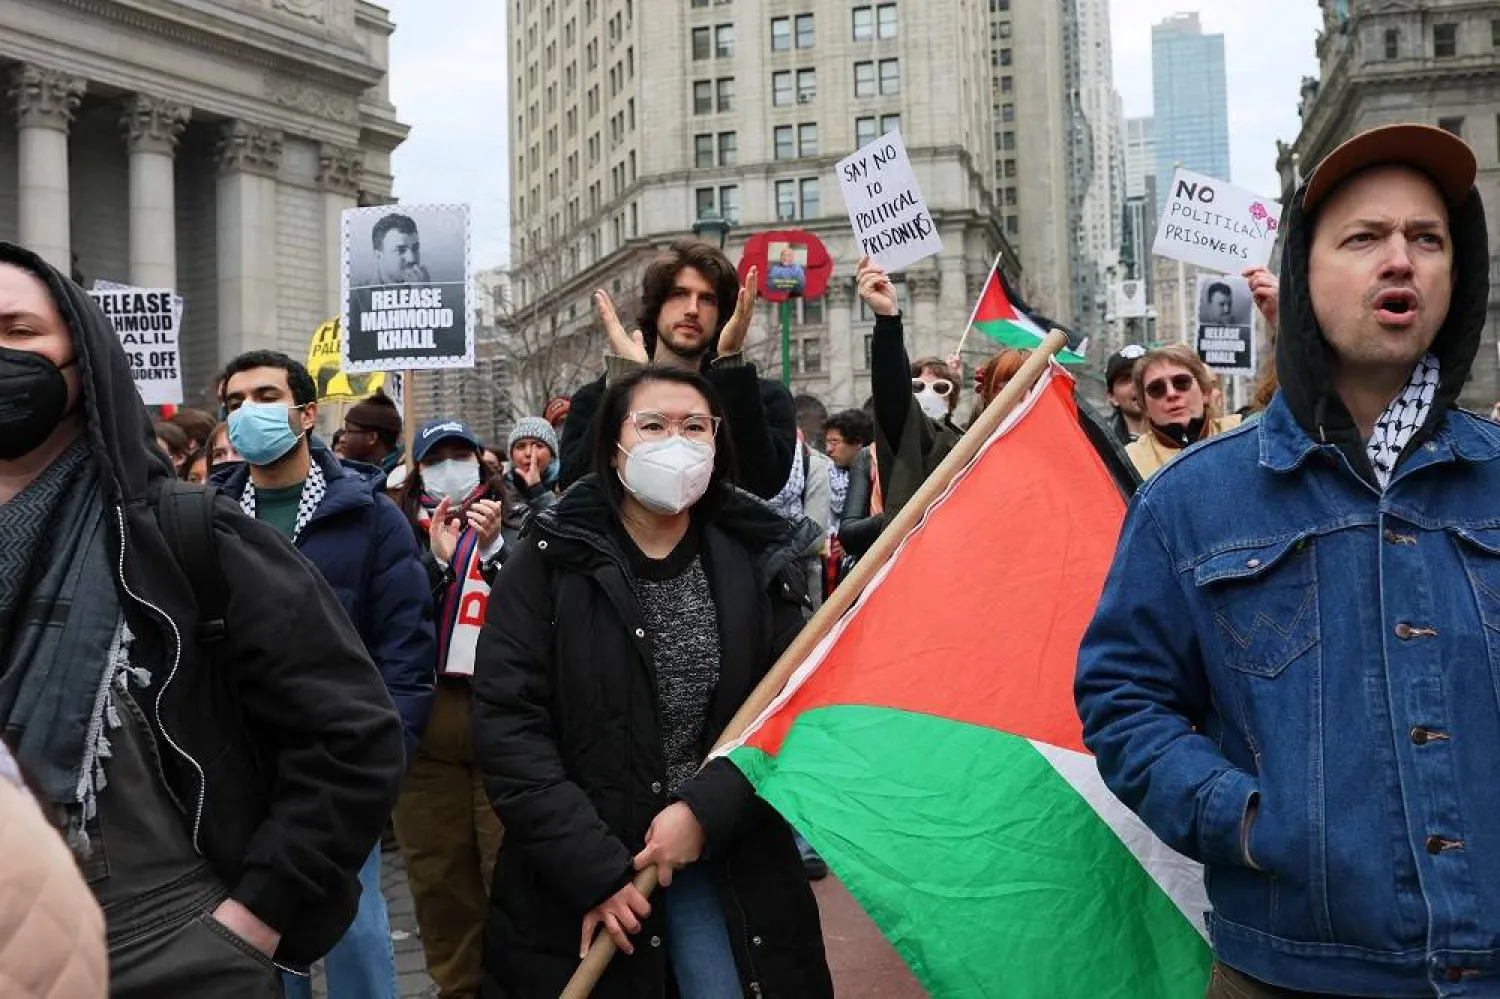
845, 345
340, 170
45, 100
249, 156
924, 335
152, 126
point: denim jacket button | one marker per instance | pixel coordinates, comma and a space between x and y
1420, 736
1403, 631
1253, 564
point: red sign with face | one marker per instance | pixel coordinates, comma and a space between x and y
792, 264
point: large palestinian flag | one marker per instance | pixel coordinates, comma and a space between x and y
1001, 316
929, 747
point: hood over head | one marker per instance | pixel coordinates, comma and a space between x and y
1304, 359
117, 423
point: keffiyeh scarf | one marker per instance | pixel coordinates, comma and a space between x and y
1403, 418
838, 493
788, 502
313, 491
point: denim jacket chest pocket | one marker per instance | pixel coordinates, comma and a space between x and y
1479, 548
1264, 601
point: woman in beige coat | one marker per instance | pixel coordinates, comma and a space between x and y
51, 931
1174, 386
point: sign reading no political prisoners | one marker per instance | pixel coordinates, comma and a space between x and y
408, 286
1215, 225
1226, 333
885, 205
147, 321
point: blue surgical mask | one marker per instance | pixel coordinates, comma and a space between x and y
262, 432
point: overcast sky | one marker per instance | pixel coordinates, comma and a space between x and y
1268, 49
448, 81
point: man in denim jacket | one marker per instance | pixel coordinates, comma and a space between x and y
1294, 672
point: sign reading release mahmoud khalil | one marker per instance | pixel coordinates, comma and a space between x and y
408, 286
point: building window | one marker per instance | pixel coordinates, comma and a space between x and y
807, 85
1454, 125
805, 34
1007, 84
729, 148
1392, 44
781, 34
702, 43
1008, 142
890, 77
706, 203
786, 200
1444, 41
807, 139
785, 148
864, 24
729, 202
1005, 57
724, 41
886, 20
699, 3
812, 355
1010, 197
864, 132
1495, 34
1007, 112
1012, 225
781, 88
726, 94
864, 79
812, 205
703, 97
703, 151
1010, 168
812, 312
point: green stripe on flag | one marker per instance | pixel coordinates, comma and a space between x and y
977, 860
1021, 337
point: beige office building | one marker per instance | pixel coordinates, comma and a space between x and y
206, 147
629, 125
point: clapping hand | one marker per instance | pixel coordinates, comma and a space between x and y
631, 346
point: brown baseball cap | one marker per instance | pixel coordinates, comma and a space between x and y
1436, 152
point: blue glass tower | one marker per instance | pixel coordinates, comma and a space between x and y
1191, 99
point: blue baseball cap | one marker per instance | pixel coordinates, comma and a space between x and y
433, 431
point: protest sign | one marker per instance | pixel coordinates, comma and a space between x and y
325, 363
890, 218
1226, 335
1213, 224
408, 288
147, 321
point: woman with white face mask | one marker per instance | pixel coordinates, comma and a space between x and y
448, 833
631, 621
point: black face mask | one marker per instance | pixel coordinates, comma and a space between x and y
33, 401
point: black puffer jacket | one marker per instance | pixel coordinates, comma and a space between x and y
280, 741
566, 734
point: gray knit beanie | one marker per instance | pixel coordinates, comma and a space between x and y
532, 428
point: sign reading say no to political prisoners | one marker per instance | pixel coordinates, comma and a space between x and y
147, 322
891, 221
408, 285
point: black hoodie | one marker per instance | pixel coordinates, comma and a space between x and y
1304, 359
280, 743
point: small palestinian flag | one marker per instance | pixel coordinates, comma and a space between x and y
1002, 317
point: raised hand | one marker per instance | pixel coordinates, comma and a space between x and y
732, 340
631, 346
442, 536
876, 289
1266, 290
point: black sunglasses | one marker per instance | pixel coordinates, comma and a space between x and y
1157, 388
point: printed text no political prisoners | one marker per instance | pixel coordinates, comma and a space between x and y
406, 318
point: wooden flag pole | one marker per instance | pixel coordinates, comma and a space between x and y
581, 985
408, 394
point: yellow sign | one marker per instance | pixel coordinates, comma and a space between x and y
324, 361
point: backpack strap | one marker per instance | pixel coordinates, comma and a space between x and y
185, 512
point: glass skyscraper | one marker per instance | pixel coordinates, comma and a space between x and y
1191, 99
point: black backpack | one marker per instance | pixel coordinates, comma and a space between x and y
185, 513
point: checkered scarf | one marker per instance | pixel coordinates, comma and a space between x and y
1403, 418
313, 491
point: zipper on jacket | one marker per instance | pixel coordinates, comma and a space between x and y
161, 692
754, 975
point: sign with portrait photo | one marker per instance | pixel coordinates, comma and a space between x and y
407, 288
1226, 332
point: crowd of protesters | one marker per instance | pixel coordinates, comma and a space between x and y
233, 658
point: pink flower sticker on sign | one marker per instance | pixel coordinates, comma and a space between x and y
1258, 212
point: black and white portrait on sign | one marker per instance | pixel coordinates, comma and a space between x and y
1226, 336
408, 286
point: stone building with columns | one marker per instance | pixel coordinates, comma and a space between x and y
208, 147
